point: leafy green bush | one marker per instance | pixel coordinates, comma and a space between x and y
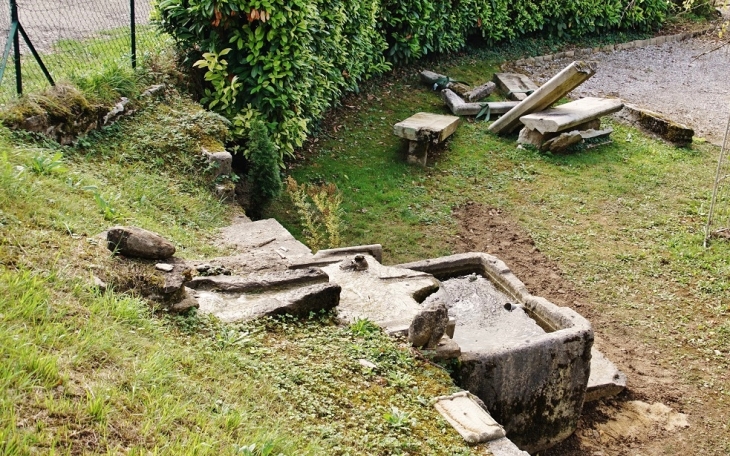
264, 173
282, 61
287, 61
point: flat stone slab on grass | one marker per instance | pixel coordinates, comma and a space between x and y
569, 115
605, 379
514, 85
469, 419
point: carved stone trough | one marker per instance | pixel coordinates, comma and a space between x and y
527, 359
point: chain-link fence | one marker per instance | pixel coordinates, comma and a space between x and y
71, 36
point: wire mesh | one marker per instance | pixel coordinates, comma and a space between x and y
73, 36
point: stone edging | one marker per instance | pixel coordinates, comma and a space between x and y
614, 47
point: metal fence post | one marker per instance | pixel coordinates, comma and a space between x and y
133, 33
16, 44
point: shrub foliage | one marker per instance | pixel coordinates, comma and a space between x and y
286, 61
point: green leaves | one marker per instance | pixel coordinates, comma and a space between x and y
288, 61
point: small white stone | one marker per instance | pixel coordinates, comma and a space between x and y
164, 267
367, 364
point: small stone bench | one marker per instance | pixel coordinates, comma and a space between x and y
422, 130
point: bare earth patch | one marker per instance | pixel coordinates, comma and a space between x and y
652, 417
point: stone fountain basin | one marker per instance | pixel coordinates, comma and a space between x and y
533, 378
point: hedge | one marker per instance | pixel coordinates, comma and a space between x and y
286, 61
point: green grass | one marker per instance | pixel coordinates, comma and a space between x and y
624, 222
91, 373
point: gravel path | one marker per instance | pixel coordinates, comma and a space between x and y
667, 78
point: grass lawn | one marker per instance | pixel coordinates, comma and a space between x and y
624, 222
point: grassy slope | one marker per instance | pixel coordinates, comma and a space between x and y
624, 221
85, 372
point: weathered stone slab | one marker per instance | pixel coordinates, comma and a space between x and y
505, 447
331, 256
480, 92
429, 325
534, 138
533, 384
400, 328
263, 245
432, 79
259, 281
563, 141
469, 419
605, 379
446, 349
460, 108
297, 302
221, 162
556, 88
514, 85
386, 295
423, 129
666, 128
424, 126
136, 242
569, 115
595, 134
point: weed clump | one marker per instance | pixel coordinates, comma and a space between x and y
318, 208
263, 174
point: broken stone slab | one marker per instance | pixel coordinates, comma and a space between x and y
434, 80
556, 88
299, 302
331, 256
562, 142
258, 282
385, 295
400, 328
595, 134
263, 245
588, 130
659, 124
605, 379
533, 383
505, 447
566, 117
460, 108
135, 242
428, 326
514, 85
422, 129
187, 301
480, 92
446, 349
468, 417
116, 111
221, 162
